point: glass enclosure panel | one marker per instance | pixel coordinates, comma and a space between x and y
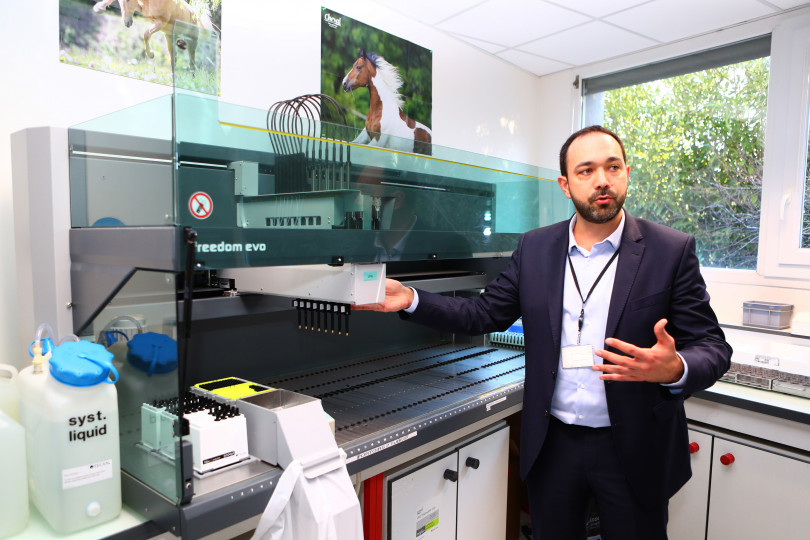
270, 187
121, 167
279, 187
196, 52
139, 326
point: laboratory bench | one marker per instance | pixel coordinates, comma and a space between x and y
768, 434
750, 444
417, 414
750, 466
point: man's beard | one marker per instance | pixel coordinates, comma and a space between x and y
593, 213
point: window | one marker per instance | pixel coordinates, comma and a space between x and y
694, 128
785, 236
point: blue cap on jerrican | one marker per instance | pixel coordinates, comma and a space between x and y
152, 353
82, 363
108, 222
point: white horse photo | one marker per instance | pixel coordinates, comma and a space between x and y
387, 125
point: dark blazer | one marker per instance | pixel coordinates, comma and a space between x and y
658, 276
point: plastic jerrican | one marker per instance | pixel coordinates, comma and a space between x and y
8, 390
69, 411
13, 481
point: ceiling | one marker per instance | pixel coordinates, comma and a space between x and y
547, 36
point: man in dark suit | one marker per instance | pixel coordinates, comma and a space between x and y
618, 331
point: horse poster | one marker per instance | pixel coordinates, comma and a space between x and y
171, 42
384, 83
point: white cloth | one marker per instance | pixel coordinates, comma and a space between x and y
312, 503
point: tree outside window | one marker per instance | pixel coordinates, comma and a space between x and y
695, 145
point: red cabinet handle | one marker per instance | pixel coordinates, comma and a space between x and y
727, 459
693, 447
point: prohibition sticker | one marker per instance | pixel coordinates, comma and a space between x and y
200, 205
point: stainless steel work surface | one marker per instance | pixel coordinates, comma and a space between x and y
375, 395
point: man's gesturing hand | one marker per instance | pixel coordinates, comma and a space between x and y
660, 363
397, 297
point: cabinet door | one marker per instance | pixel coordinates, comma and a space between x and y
757, 495
687, 508
482, 483
423, 502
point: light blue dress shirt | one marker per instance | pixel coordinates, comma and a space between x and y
579, 394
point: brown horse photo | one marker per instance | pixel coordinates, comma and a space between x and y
387, 125
163, 14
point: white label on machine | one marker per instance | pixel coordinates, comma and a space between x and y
766, 360
87, 474
381, 447
427, 518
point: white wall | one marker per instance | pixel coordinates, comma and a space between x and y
480, 103
557, 101
559, 114
270, 51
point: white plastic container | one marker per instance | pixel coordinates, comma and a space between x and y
13, 481
147, 372
70, 417
8, 390
774, 315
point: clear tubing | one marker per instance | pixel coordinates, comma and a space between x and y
116, 320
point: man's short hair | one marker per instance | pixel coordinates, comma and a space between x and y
580, 133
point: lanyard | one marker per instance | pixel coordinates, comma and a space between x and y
576, 283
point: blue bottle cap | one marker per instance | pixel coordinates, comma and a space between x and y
82, 363
108, 222
152, 353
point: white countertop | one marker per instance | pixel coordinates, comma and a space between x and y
39, 529
766, 415
764, 397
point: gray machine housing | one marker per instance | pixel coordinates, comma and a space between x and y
77, 269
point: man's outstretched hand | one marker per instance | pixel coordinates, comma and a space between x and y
397, 297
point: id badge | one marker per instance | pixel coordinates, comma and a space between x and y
577, 356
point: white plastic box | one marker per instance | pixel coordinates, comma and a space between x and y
349, 284
773, 315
